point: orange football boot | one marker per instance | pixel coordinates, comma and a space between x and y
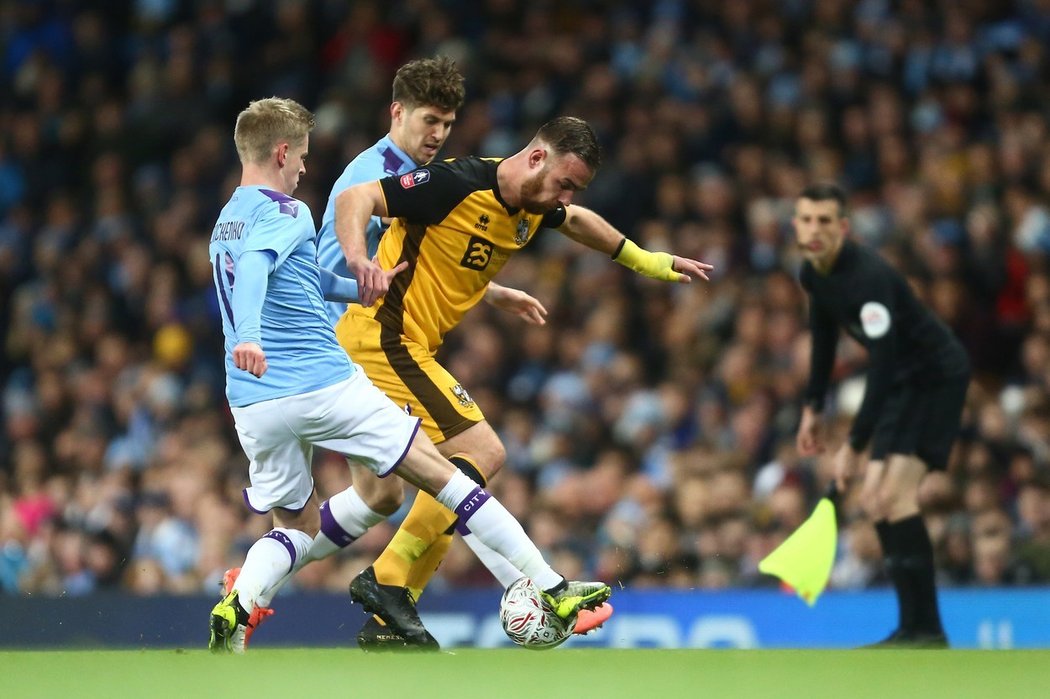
259, 614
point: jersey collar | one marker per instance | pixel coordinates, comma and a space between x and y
395, 160
511, 210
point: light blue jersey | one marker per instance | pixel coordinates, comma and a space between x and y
381, 160
301, 350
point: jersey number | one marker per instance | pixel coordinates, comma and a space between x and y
224, 267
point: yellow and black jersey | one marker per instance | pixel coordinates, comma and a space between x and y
456, 233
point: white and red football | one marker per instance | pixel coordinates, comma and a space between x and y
529, 621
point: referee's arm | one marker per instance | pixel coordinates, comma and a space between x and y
881, 360
824, 332
879, 325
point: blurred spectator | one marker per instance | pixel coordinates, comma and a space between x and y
647, 427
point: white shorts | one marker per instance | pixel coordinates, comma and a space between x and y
352, 417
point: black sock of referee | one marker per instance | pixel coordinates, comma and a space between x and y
916, 557
899, 575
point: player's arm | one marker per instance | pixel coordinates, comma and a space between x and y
590, 229
252, 272
423, 196
344, 290
354, 208
516, 302
337, 288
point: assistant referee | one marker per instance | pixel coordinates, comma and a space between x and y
917, 378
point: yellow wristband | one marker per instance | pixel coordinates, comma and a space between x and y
657, 265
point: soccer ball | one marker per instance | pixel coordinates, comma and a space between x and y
528, 621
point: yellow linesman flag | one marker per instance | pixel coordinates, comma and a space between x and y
804, 559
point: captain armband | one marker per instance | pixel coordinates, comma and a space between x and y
656, 265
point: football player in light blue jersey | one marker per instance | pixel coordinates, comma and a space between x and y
291, 387
426, 94
263, 245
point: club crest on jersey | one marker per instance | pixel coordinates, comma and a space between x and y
411, 179
462, 396
521, 236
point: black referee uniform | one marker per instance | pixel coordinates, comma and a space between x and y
917, 378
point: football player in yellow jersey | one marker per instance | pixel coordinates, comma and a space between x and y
456, 223
426, 93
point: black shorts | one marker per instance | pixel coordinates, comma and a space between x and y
921, 420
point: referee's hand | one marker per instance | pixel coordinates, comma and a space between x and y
810, 438
846, 464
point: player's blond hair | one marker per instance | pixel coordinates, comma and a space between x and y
268, 122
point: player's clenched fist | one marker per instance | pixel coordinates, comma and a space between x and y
249, 356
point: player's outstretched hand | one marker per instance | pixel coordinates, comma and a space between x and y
401, 267
249, 356
372, 280
688, 268
517, 302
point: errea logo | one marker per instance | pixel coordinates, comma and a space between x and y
483, 222
410, 180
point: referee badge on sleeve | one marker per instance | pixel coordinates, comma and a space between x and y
875, 319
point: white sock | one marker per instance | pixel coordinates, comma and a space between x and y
268, 560
483, 515
344, 518
500, 567
267, 595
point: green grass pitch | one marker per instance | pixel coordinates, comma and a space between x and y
513, 673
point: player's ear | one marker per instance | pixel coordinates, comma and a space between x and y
537, 156
397, 111
282, 154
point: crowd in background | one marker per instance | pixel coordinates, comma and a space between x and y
649, 427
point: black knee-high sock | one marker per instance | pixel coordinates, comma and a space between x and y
898, 573
916, 557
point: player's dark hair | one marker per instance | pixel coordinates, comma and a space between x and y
826, 191
572, 135
432, 82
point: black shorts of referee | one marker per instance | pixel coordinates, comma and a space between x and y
921, 419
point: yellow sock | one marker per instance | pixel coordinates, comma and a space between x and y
427, 564
420, 544
426, 521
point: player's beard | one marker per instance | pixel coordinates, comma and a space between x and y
530, 188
